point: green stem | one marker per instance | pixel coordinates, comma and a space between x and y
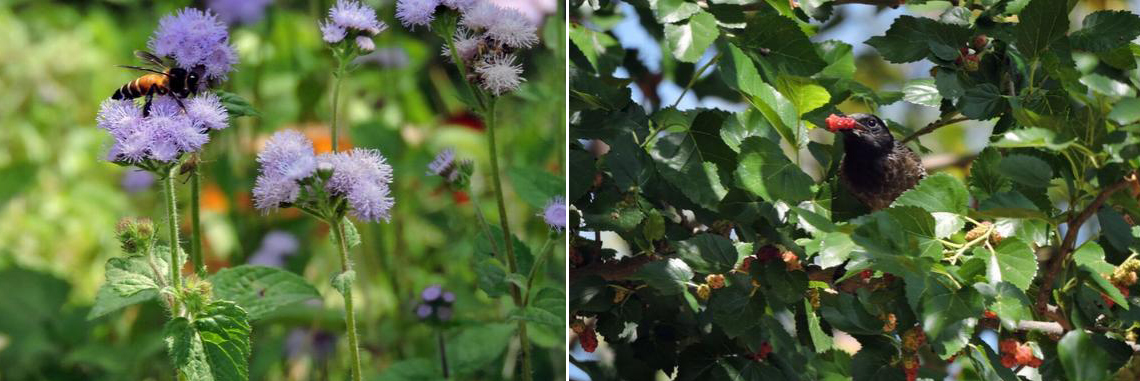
336, 98
349, 313
534, 269
195, 222
512, 265
172, 217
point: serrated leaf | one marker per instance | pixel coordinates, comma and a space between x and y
1099, 283
1026, 170
1107, 86
788, 48
804, 93
130, 275
875, 362
940, 192
1014, 262
535, 315
982, 102
668, 276
985, 178
1080, 357
947, 313
766, 172
912, 38
351, 236
592, 44
107, 300
735, 308
1106, 30
671, 11
689, 41
224, 331
260, 290
1041, 23
535, 186
1092, 255
708, 253
491, 276
692, 160
1032, 137
922, 92
478, 346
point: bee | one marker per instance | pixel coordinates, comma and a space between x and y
162, 80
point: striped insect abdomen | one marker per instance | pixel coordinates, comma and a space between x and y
140, 86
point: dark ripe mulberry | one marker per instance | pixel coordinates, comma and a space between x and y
588, 339
979, 42
767, 253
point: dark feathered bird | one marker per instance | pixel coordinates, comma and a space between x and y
875, 167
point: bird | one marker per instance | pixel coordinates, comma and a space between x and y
876, 168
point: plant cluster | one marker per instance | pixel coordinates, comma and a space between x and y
703, 240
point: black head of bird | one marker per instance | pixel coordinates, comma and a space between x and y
875, 168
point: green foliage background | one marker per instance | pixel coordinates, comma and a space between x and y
60, 200
1040, 136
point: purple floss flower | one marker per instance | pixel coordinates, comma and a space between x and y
423, 311
555, 213
352, 14
286, 158
365, 43
431, 293
481, 16
363, 176
444, 164
195, 38
207, 112
449, 297
499, 74
466, 45
459, 5
239, 11
331, 32
414, 13
513, 29
136, 180
275, 246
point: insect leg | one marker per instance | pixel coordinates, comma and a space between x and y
149, 98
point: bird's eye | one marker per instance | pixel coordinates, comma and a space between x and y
872, 123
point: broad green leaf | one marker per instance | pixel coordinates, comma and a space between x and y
739, 72
1032, 137
876, 361
235, 105
260, 290
819, 339
130, 275
224, 331
629, 164
478, 346
912, 38
735, 308
491, 275
1115, 229
582, 170
690, 40
524, 258
985, 178
1041, 23
787, 47
416, 369
592, 44
988, 364
1099, 283
834, 249
845, 313
982, 102
940, 192
1126, 111
708, 253
1011, 204
107, 300
949, 315
186, 351
1081, 358
535, 315
804, 93
1107, 86
922, 92
839, 58
779, 111
1092, 255
766, 172
535, 186
693, 160
1009, 303
1026, 170
1106, 30
1013, 262
668, 276
671, 11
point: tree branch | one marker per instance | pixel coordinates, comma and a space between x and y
933, 126
1058, 261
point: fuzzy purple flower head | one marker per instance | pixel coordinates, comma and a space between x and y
350, 17
195, 38
163, 136
239, 11
555, 213
414, 13
435, 304
361, 176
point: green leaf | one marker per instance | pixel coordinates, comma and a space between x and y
1125, 112
834, 249
1099, 283
912, 38
844, 312
690, 40
1013, 262
788, 48
985, 178
1010, 304
592, 44
876, 361
982, 102
1081, 358
224, 331
766, 172
949, 315
668, 276
130, 275
1106, 30
342, 282
351, 236
1026, 170
739, 72
535, 315
692, 160
582, 170
922, 92
988, 364
804, 93
1010, 205
491, 276
940, 192
1090, 254
671, 11
535, 186
478, 346
260, 290
735, 308
839, 57
186, 351
1107, 86
708, 253
779, 111
107, 300
235, 105
1032, 137
1041, 23
524, 258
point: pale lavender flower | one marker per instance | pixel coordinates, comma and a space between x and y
239, 11
275, 246
363, 176
136, 180
270, 192
287, 155
423, 311
207, 112
459, 5
331, 32
164, 136
365, 43
195, 38
466, 45
449, 297
444, 165
499, 74
173, 135
414, 13
513, 29
482, 16
431, 293
352, 14
555, 213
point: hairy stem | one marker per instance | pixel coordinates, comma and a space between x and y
340, 72
512, 264
172, 223
349, 313
195, 222
534, 269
